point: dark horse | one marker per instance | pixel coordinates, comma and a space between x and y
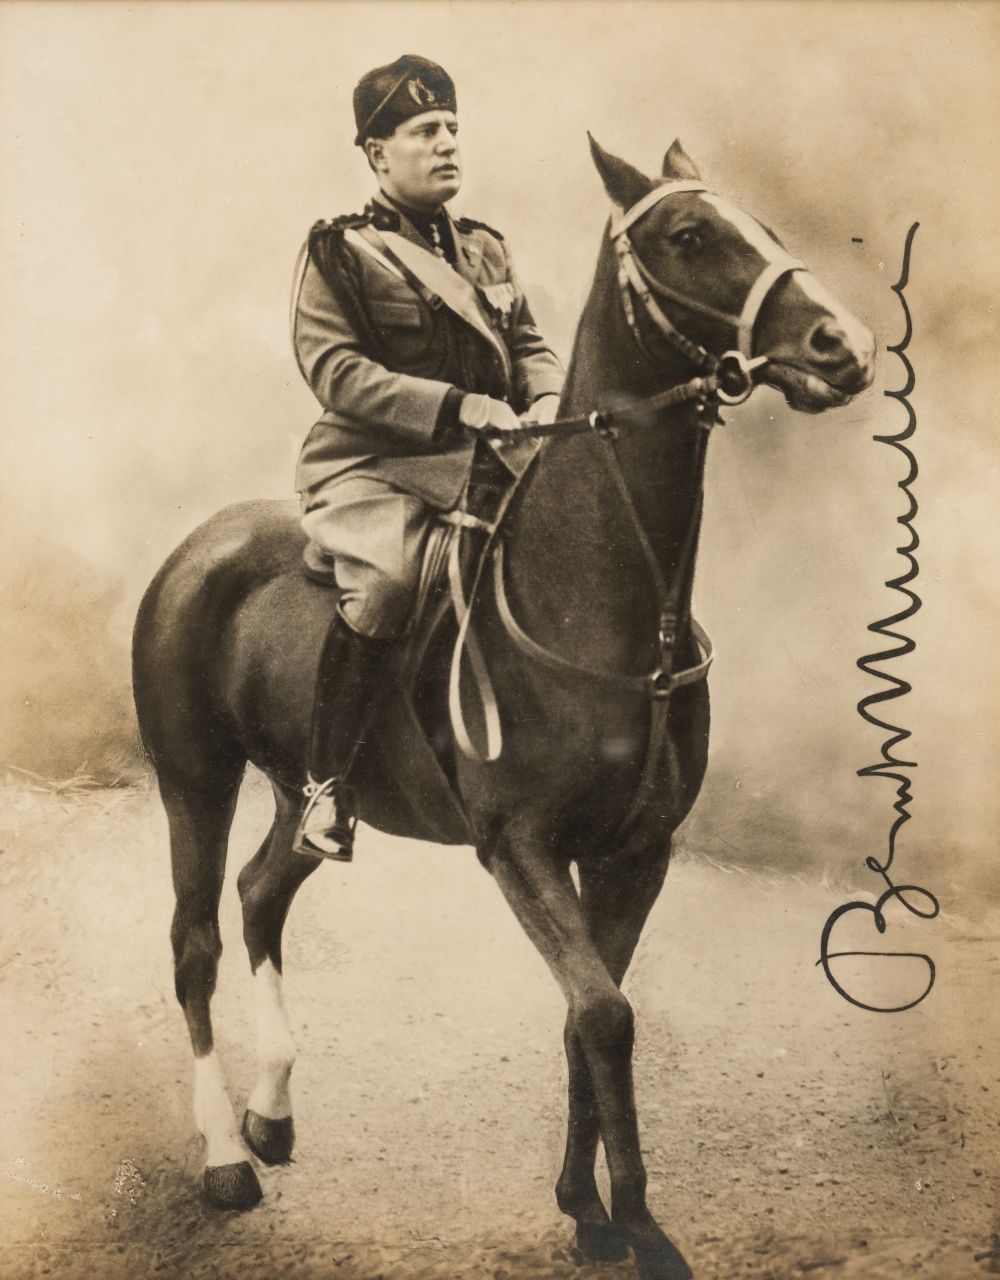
599, 548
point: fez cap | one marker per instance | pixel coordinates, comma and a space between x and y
387, 96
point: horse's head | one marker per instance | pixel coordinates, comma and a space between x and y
695, 264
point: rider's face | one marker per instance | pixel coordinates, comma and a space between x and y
420, 164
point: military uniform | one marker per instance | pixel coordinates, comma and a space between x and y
386, 353
410, 327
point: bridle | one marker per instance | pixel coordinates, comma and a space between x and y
731, 373
726, 379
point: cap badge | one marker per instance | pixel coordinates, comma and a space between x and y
420, 94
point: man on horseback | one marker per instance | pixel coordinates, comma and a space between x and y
415, 336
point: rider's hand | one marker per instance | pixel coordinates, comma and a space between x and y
483, 413
542, 411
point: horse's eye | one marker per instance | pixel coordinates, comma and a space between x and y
686, 238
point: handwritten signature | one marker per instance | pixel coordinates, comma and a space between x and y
917, 901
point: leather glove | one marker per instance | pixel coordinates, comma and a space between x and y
491, 417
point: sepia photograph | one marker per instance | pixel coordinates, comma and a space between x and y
499, 722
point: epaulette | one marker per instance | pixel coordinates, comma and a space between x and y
465, 225
342, 223
374, 215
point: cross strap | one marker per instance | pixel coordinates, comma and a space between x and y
433, 279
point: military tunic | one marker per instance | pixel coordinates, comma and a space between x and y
386, 358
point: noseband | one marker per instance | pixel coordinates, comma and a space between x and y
733, 369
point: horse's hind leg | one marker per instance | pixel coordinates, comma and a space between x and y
199, 831
267, 885
616, 902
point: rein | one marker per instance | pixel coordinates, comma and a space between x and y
726, 380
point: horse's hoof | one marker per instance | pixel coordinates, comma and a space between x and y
601, 1242
659, 1259
232, 1186
269, 1140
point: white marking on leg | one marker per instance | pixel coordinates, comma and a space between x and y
213, 1113
275, 1047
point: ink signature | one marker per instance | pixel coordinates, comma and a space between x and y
916, 900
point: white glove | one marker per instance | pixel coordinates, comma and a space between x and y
483, 413
543, 411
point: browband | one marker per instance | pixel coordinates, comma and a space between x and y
622, 221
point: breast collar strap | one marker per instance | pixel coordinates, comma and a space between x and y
633, 277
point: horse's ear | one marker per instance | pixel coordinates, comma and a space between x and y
678, 164
626, 186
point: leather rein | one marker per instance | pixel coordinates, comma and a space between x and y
725, 380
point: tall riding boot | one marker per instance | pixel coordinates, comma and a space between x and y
352, 670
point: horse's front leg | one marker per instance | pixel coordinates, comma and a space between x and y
541, 894
617, 894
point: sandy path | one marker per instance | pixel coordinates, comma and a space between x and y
786, 1133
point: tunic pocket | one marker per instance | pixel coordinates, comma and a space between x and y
396, 315
405, 331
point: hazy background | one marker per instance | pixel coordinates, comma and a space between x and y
161, 165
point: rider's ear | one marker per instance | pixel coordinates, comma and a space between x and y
678, 164
375, 151
626, 186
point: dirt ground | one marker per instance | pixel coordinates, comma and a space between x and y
786, 1133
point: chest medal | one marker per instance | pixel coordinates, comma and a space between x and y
500, 300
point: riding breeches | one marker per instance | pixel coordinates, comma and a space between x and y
372, 535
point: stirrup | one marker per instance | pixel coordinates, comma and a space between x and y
335, 843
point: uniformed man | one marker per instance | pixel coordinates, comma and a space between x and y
414, 334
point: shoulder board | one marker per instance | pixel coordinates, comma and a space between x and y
465, 225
